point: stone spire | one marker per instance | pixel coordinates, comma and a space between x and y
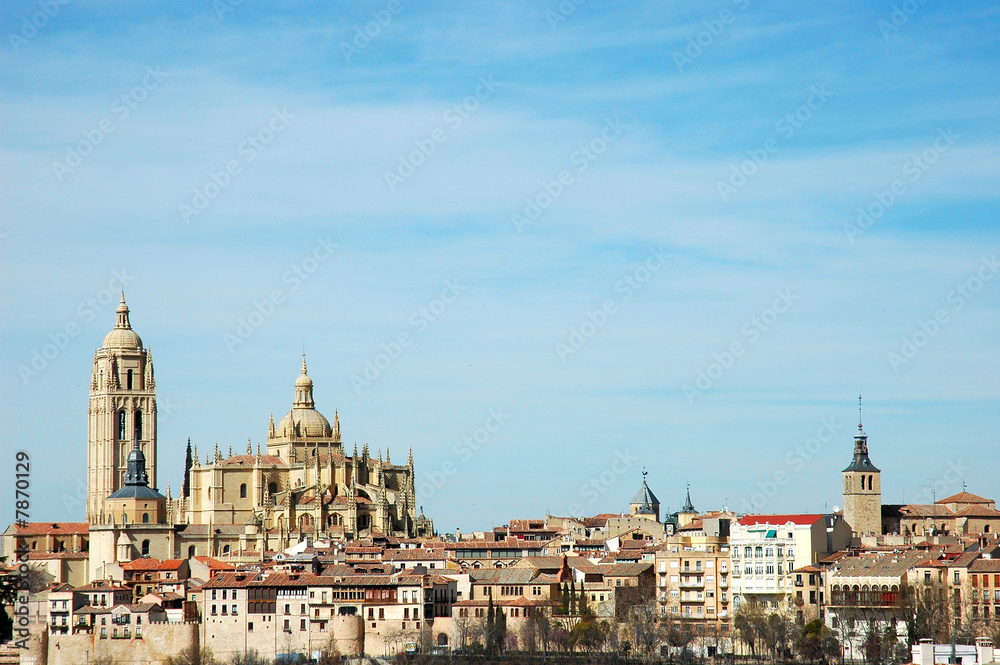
861, 461
249, 447
336, 426
387, 460
188, 460
195, 460
270, 427
410, 461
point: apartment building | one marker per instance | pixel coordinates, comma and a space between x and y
765, 549
693, 578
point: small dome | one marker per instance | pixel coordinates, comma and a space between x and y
303, 381
122, 336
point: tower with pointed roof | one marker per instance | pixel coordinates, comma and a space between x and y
122, 412
644, 503
862, 488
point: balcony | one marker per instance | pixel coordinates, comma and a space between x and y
723, 583
692, 583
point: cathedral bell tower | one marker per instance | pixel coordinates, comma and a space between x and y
862, 488
122, 414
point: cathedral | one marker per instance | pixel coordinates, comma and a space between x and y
303, 485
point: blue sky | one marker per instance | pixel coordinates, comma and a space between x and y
624, 196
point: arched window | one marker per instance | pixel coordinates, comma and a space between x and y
121, 425
272, 488
145, 518
128, 380
145, 548
138, 424
191, 551
225, 549
243, 491
758, 552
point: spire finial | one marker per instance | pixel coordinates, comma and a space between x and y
303, 359
859, 411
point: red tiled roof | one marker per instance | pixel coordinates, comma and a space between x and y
145, 563
779, 520
964, 497
52, 528
214, 564
979, 510
250, 460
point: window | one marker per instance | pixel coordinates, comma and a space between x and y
191, 551
234, 611
302, 624
381, 613
224, 594
213, 609
145, 548
272, 488
250, 627
243, 491
213, 594
121, 425
128, 380
138, 424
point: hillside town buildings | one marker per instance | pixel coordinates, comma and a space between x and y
301, 546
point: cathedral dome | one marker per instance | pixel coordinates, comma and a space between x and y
122, 336
310, 422
304, 419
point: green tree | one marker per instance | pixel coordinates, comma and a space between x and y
584, 605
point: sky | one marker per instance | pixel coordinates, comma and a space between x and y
546, 244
